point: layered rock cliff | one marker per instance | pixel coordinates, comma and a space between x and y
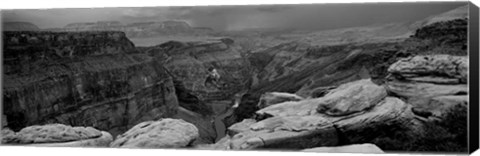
82, 79
141, 29
191, 64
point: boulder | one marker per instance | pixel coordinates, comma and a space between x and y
347, 99
357, 148
164, 133
7, 135
271, 98
359, 110
57, 135
419, 89
103, 141
365, 126
447, 66
291, 132
54, 133
351, 98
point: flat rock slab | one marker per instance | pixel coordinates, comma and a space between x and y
272, 98
54, 133
102, 141
357, 148
164, 133
292, 132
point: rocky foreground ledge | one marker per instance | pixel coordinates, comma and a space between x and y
57, 135
395, 115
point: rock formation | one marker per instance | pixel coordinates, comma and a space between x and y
164, 133
57, 135
82, 79
351, 113
433, 84
271, 98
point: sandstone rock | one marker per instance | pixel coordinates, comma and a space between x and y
103, 141
292, 132
272, 98
420, 89
348, 98
357, 148
423, 77
57, 135
292, 108
390, 112
240, 127
164, 133
448, 66
54, 133
351, 98
7, 136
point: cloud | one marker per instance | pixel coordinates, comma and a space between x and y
301, 16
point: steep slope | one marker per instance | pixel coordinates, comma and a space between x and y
82, 79
201, 96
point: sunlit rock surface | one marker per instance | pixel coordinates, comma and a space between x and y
57, 135
164, 133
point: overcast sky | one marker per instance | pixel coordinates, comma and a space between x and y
317, 16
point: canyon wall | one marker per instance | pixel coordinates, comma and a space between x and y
93, 79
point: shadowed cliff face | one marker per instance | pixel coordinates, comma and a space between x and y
191, 65
82, 79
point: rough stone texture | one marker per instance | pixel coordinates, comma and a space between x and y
432, 84
357, 148
351, 98
240, 126
272, 98
54, 133
7, 135
82, 79
293, 132
436, 66
364, 127
57, 135
363, 109
103, 141
165, 133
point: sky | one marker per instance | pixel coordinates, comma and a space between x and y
299, 16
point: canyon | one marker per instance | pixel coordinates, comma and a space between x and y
224, 93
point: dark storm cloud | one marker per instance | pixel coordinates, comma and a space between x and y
301, 16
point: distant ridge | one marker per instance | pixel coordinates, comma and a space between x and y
19, 26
